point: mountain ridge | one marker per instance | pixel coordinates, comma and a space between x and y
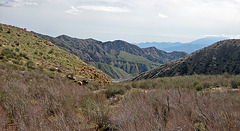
120, 54
188, 47
24, 50
221, 57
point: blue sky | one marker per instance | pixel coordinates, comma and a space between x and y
130, 20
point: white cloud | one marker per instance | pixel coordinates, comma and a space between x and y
224, 35
16, 3
162, 15
77, 10
73, 11
104, 8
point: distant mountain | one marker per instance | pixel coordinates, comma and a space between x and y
221, 57
185, 47
26, 50
128, 58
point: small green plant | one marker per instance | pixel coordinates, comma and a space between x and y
30, 64
24, 55
113, 90
8, 53
206, 85
52, 69
17, 50
51, 51
235, 84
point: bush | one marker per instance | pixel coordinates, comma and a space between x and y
113, 90
52, 69
235, 84
17, 50
206, 85
51, 51
24, 55
18, 62
8, 53
30, 64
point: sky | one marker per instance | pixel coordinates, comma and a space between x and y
134, 21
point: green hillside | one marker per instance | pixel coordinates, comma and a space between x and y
112, 71
28, 51
219, 58
120, 54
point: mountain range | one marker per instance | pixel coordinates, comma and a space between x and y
27, 51
118, 59
219, 58
185, 47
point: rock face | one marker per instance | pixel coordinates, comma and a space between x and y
221, 57
27, 50
107, 56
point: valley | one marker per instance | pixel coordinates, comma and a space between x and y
67, 83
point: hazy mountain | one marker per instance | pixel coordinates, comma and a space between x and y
221, 57
185, 47
128, 58
26, 50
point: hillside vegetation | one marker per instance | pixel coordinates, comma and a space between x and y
35, 93
29, 100
221, 57
120, 54
28, 51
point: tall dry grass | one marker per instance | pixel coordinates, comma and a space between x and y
34, 100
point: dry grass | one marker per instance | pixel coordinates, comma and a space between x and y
34, 100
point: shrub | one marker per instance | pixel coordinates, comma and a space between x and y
17, 50
8, 53
52, 69
113, 90
24, 55
17, 62
206, 85
235, 84
51, 51
30, 64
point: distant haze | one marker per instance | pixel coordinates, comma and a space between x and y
130, 20
185, 47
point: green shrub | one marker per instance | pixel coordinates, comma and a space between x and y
51, 51
8, 53
52, 69
112, 90
30, 64
24, 55
206, 85
235, 84
17, 62
17, 50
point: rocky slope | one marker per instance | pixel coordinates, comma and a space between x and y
221, 57
26, 50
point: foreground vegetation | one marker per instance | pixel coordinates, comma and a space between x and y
34, 100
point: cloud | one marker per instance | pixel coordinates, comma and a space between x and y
73, 11
224, 35
77, 10
16, 3
162, 15
104, 8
